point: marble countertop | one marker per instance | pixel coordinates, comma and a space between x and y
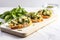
50, 32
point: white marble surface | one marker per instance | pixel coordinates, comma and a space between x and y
27, 3
50, 32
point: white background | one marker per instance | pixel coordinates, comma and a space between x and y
50, 32
27, 3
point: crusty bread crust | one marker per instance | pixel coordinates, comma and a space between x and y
46, 17
37, 20
19, 26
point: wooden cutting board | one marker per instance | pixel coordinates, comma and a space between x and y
28, 30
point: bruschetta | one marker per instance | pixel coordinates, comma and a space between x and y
20, 22
45, 13
35, 17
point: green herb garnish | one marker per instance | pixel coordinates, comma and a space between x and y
0, 23
13, 14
